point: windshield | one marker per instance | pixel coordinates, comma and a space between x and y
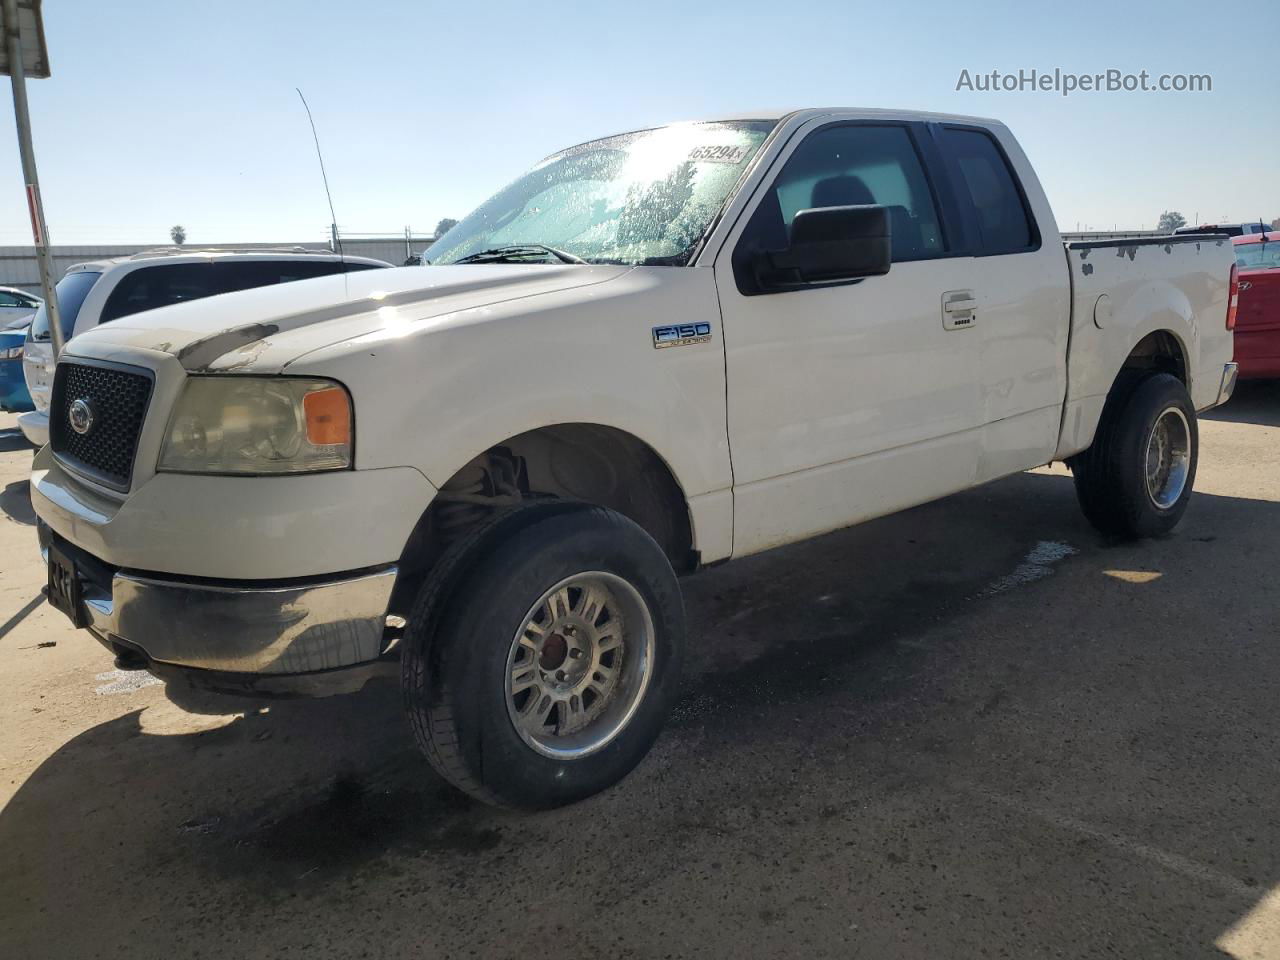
71, 291
1259, 256
638, 198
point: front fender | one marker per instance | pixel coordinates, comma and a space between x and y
436, 397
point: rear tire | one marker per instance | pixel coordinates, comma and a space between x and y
1136, 478
542, 655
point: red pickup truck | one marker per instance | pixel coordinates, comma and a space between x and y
1258, 313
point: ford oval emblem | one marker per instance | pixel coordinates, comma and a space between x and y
81, 416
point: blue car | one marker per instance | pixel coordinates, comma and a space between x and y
14, 397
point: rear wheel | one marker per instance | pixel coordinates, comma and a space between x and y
540, 663
1136, 478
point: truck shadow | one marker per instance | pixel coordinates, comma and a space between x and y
11, 440
1254, 401
850, 687
15, 502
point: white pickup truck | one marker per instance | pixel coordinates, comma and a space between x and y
651, 353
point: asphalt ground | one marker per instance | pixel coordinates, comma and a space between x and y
974, 729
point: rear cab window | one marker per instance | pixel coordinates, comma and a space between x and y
1258, 256
990, 196
71, 291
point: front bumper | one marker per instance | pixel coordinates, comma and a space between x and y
35, 427
242, 630
236, 528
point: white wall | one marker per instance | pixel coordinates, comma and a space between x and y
18, 266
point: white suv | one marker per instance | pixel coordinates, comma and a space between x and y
104, 290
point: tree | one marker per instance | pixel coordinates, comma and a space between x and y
445, 225
1170, 221
179, 234
1275, 224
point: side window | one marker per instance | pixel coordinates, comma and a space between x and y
854, 164
246, 274
150, 287
71, 292
1004, 224
10, 300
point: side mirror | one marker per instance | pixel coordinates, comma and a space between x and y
829, 244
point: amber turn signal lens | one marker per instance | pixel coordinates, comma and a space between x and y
328, 416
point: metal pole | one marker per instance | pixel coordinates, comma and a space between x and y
40, 229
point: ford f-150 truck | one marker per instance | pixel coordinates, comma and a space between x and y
651, 353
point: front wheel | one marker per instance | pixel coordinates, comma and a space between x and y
1136, 478
542, 671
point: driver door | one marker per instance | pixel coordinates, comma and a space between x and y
852, 399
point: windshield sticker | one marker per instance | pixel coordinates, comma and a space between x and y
719, 154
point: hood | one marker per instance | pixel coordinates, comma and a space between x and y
268, 327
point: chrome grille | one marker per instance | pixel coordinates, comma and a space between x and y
117, 398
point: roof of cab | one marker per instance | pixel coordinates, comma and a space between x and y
810, 113
803, 115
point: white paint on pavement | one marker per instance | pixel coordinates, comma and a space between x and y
1175, 863
1037, 565
123, 681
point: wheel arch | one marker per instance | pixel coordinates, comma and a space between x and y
581, 461
1161, 350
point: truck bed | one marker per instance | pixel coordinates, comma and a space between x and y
1123, 290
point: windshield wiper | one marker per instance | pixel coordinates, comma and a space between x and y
518, 251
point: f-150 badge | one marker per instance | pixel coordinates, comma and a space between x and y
681, 335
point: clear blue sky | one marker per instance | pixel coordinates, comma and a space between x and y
174, 111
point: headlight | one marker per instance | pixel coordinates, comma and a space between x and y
11, 353
258, 425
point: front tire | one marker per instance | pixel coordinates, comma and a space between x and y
541, 662
1136, 478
